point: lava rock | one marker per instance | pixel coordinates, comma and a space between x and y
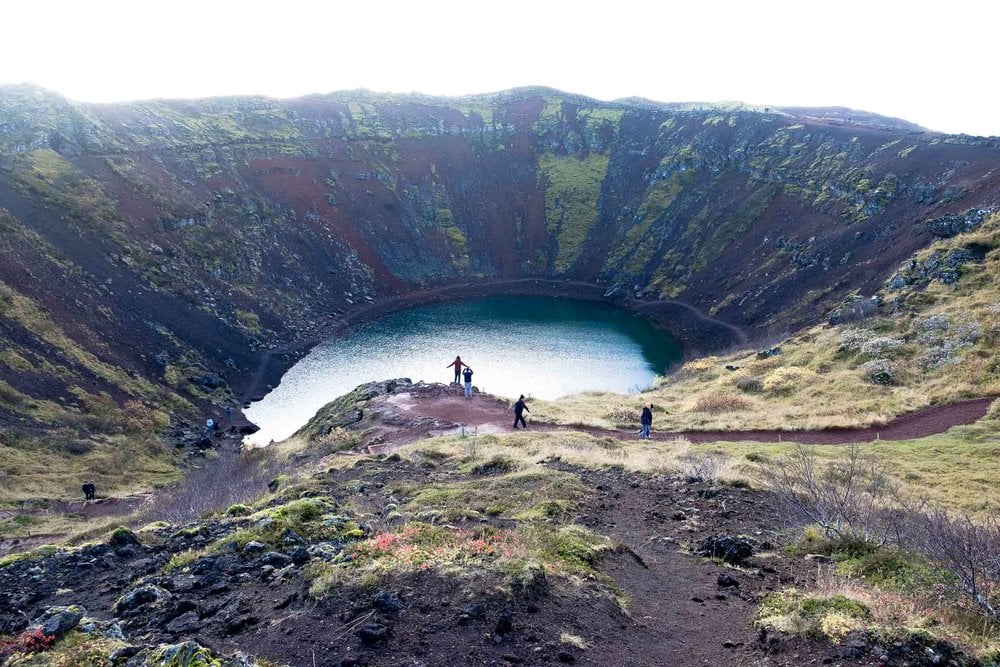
185, 623
122, 537
140, 596
57, 621
372, 633
254, 547
386, 601
731, 549
471, 612
276, 560
726, 581
566, 657
300, 555
505, 621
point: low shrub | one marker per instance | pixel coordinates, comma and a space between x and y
714, 403
879, 371
786, 380
749, 384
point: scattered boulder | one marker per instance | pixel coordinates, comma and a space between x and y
727, 581
770, 352
123, 537
471, 612
138, 597
185, 623
254, 547
386, 602
566, 657
276, 559
952, 225
505, 621
730, 548
188, 654
300, 555
372, 633
57, 621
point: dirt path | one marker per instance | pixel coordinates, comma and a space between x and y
487, 414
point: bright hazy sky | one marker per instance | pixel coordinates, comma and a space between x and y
931, 63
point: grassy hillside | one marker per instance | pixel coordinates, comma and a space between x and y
930, 335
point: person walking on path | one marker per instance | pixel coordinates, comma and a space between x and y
467, 376
458, 363
519, 409
646, 420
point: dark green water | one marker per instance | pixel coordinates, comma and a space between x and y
538, 346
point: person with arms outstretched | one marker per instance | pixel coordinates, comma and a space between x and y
519, 409
458, 363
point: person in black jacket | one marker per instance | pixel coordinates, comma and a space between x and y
519, 409
646, 420
467, 376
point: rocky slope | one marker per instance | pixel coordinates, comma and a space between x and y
151, 252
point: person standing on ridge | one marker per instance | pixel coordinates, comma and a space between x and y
467, 376
646, 420
519, 409
458, 363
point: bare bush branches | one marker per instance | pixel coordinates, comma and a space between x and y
965, 555
702, 467
847, 498
220, 483
855, 498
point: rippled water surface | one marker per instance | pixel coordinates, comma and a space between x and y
541, 347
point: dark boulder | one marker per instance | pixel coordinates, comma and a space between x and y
57, 621
276, 559
372, 633
387, 602
726, 581
140, 596
731, 549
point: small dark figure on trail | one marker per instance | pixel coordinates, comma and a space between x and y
646, 420
519, 409
229, 415
89, 490
458, 363
209, 425
467, 376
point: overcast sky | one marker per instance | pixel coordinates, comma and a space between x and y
935, 66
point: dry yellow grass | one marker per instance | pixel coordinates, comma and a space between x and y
820, 379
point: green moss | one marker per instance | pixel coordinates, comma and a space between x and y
188, 654
238, 510
814, 615
572, 189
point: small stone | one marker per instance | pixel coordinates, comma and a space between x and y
566, 656
726, 581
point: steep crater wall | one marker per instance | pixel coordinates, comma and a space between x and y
157, 251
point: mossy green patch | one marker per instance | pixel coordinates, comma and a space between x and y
572, 190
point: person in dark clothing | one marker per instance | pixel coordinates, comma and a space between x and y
458, 363
646, 420
89, 490
467, 376
519, 409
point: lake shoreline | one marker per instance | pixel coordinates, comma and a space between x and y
697, 333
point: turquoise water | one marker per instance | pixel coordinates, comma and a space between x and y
538, 346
